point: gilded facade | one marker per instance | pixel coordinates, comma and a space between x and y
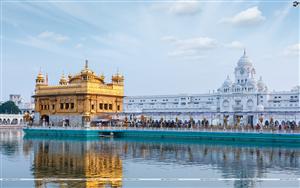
77, 98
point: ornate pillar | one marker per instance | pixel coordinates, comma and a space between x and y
86, 120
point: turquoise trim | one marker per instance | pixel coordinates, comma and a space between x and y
194, 135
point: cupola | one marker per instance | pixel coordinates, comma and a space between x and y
40, 79
117, 79
63, 80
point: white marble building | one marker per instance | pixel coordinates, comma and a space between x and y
20, 102
244, 97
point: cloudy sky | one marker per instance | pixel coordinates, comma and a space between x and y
170, 47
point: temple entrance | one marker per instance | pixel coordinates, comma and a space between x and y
67, 122
44, 119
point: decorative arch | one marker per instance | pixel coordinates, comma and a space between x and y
225, 103
250, 103
14, 121
45, 117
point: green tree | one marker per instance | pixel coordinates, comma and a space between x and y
9, 107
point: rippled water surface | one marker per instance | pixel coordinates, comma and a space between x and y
107, 162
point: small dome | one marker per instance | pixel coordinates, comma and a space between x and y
86, 69
117, 78
261, 86
40, 76
227, 82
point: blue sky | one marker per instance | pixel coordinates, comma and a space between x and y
161, 47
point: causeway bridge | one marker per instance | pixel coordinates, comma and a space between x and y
206, 134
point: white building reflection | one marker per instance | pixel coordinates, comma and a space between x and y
103, 159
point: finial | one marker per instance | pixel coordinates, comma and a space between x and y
86, 64
244, 51
40, 71
46, 78
118, 71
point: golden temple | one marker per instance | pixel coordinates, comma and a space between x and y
78, 98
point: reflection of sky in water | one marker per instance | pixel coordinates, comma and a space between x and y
126, 159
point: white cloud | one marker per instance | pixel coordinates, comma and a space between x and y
44, 40
51, 36
116, 39
79, 45
191, 47
168, 39
184, 7
235, 45
199, 43
178, 7
48, 41
292, 50
247, 17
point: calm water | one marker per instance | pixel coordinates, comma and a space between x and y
106, 162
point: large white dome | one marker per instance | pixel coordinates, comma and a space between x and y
244, 60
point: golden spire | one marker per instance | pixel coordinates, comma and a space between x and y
86, 64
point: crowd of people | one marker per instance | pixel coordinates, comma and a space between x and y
205, 124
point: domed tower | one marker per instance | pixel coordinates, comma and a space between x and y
117, 79
63, 80
244, 70
40, 79
244, 75
87, 74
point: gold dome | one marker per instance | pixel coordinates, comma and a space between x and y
40, 79
118, 78
40, 76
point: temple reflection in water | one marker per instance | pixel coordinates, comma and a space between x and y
75, 164
103, 158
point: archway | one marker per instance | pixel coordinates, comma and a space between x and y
14, 121
0, 121
44, 118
